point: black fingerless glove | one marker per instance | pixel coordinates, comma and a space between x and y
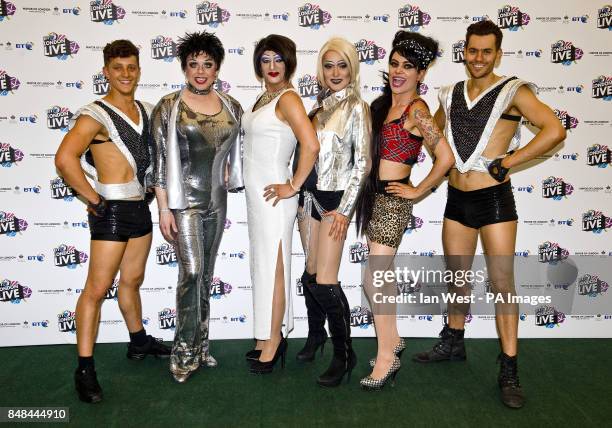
98, 209
497, 171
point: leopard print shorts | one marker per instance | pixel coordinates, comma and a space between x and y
390, 217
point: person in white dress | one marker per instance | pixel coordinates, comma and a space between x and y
271, 127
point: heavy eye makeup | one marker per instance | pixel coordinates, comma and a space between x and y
328, 65
406, 65
206, 64
265, 59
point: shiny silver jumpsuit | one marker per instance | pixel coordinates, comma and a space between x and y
206, 143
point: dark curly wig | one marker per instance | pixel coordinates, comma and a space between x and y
197, 43
380, 108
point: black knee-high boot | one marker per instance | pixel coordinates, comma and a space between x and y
316, 322
336, 307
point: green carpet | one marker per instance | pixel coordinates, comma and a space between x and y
565, 382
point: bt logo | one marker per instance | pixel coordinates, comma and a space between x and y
27, 46
537, 53
35, 189
528, 189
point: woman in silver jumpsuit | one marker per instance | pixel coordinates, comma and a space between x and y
341, 120
197, 158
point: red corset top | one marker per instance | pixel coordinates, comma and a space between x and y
398, 144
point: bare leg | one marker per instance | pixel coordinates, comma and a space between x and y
385, 316
303, 225
278, 310
103, 266
459, 244
327, 253
499, 242
132, 275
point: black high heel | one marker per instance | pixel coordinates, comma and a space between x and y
253, 354
317, 336
265, 367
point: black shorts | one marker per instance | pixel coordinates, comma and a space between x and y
478, 208
328, 199
123, 220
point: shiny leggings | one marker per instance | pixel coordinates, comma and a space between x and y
199, 235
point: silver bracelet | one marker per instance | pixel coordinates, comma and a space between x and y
292, 186
164, 210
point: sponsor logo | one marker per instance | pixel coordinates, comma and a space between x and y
13, 292
66, 321
568, 122
163, 48
238, 318
595, 221
564, 52
58, 46
555, 188
42, 324
414, 223
602, 88
174, 14
76, 11
167, 319
308, 87
237, 51
9, 155
219, 288
412, 18
551, 252
105, 11
211, 14
548, 316
222, 86
68, 256
312, 16
361, 317
604, 18
358, 252
511, 18
458, 49
8, 84
165, 255
368, 52
7, 9
599, 155
79, 84
58, 118
11, 225
566, 156
527, 189
591, 285
61, 190
112, 292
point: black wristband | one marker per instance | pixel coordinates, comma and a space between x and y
497, 171
98, 209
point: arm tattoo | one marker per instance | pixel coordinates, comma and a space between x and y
428, 128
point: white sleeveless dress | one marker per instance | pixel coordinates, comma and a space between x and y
268, 147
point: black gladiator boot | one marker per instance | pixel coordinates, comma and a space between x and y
317, 336
336, 307
450, 347
508, 380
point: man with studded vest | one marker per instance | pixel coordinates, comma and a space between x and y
481, 118
109, 141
